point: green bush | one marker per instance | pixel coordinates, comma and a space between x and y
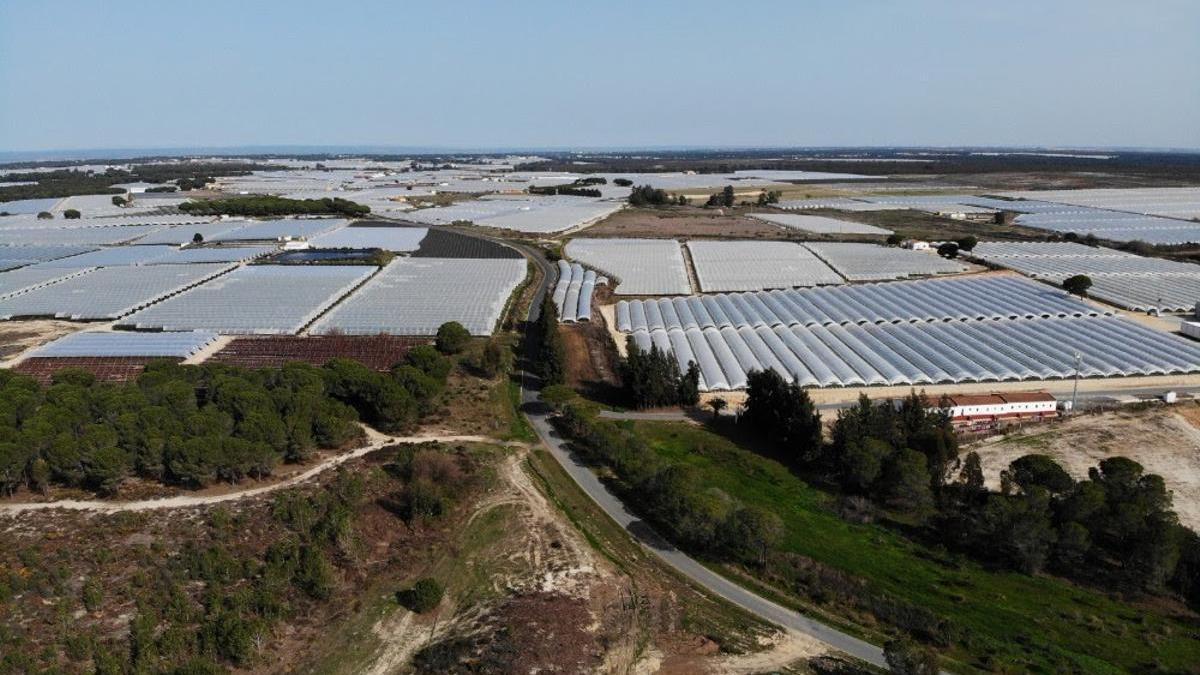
92, 595
452, 338
423, 596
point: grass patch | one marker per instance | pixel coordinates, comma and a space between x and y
519, 428
1039, 624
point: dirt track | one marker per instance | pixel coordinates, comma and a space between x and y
376, 441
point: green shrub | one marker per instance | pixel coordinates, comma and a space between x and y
92, 595
423, 596
452, 338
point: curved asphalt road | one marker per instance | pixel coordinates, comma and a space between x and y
538, 414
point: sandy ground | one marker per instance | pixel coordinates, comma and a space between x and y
210, 349
783, 649
548, 556
18, 337
1165, 441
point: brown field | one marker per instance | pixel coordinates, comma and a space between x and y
1165, 441
17, 336
591, 360
377, 352
687, 222
106, 369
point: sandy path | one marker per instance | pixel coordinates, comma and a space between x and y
376, 441
784, 649
550, 555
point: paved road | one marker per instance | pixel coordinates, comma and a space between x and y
539, 416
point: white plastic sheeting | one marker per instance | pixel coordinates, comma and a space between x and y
975, 298
573, 292
285, 228
926, 353
1123, 279
186, 234
821, 224
757, 265
641, 266
373, 236
415, 296
868, 262
257, 299
27, 278
12, 257
78, 236
213, 254
523, 213
116, 255
1172, 202
107, 292
126, 343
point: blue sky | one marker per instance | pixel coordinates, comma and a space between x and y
117, 74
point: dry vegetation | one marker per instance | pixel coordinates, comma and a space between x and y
686, 222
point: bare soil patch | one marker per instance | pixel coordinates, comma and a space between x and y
1165, 441
685, 222
17, 336
591, 360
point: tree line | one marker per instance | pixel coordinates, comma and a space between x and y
564, 190
220, 597
266, 205
68, 182
193, 425
1115, 529
723, 198
697, 516
546, 346
646, 195
652, 379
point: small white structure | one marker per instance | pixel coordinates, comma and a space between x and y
1190, 329
139, 187
973, 409
915, 245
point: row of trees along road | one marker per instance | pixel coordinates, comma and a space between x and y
546, 345
700, 518
652, 379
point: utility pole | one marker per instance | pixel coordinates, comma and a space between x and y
1075, 386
